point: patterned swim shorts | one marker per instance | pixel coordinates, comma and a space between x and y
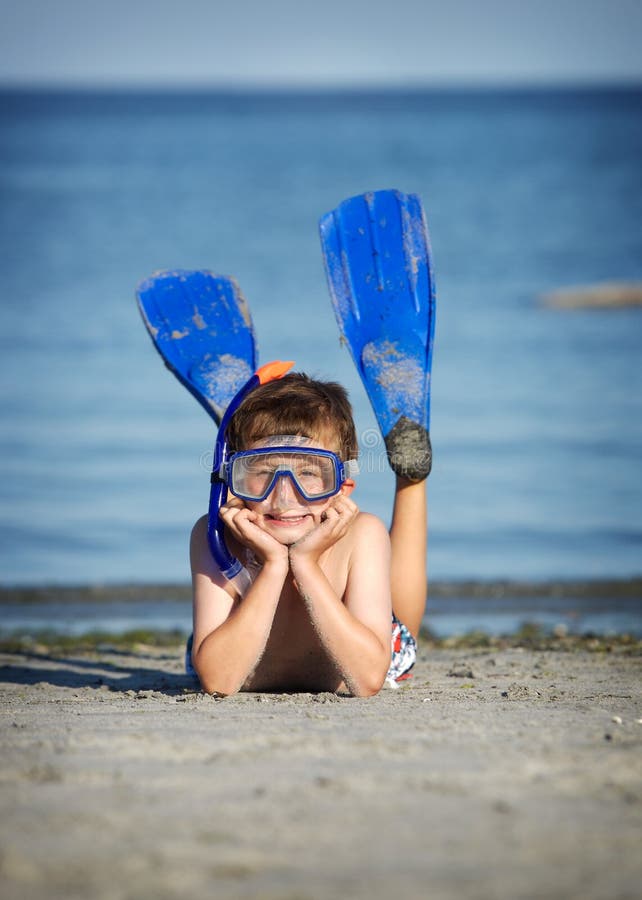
404, 654
403, 648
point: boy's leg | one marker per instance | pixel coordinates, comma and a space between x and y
377, 257
408, 537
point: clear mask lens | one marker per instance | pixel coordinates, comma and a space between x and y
254, 475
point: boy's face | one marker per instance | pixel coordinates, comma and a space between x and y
285, 513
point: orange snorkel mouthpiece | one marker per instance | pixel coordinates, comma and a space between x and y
273, 370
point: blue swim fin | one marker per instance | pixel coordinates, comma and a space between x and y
377, 258
201, 326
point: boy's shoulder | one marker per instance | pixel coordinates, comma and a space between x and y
368, 528
369, 520
199, 531
200, 524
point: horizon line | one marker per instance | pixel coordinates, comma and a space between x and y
318, 87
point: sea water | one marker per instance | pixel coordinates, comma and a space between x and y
536, 413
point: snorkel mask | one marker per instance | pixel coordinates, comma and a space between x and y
314, 473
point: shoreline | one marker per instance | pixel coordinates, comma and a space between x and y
463, 608
505, 772
529, 637
630, 586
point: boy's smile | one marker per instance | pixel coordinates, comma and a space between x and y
285, 514
283, 523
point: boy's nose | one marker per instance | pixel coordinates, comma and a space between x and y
284, 492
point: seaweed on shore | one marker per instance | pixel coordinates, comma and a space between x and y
530, 636
91, 641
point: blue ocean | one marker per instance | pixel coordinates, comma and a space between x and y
536, 415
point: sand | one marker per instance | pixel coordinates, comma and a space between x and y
495, 773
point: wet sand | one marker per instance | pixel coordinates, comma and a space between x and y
497, 772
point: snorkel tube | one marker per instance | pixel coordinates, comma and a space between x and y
229, 565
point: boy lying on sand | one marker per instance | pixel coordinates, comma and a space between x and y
327, 579
322, 582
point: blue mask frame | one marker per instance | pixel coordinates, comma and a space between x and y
342, 471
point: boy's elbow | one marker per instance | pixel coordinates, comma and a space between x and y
377, 684
373, 677
367, 691
213, 683
370, 685
217, 687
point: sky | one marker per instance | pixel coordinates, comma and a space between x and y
227, 43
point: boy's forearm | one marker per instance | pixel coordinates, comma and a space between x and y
357, 652
227, 656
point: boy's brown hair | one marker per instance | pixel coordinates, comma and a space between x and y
296, 404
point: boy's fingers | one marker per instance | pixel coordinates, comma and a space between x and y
237, 519
233, 502
344, 506
338, 517
244, 519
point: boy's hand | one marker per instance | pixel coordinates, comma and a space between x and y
246, 527
335, 523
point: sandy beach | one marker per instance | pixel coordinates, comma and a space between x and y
496, 772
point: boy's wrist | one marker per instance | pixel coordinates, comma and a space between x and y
279, 566
300, 562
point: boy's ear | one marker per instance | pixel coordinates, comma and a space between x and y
348, 486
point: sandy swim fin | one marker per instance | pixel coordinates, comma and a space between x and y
377, 258
201, 326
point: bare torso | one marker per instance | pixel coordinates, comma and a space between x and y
294, 657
